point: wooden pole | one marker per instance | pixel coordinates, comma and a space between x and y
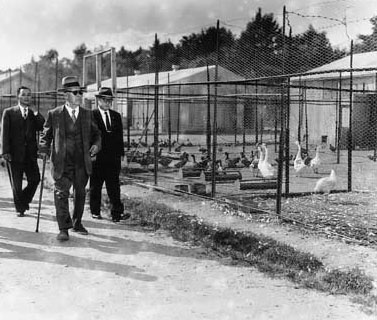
350, 138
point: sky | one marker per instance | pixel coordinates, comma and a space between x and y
29, 28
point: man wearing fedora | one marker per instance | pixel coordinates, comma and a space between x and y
106, 167
71, 137
19, 148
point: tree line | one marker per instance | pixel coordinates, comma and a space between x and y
261, 50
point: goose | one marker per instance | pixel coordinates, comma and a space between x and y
231, 163
316, 161
192, 164
265, 168
219, 166
326, 184
165, 161
261, 157
298, 163
244, 160
183, 162
179, 163
254, 162
188, 143
202, 149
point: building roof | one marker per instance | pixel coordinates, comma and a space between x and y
172, 76
4, 76
360, 61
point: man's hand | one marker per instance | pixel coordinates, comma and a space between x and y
7, 157
93, 150
124, 161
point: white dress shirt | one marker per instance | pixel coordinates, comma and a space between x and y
103, 115
69, 109
24, 110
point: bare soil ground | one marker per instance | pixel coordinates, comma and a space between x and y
333, 249
122, 271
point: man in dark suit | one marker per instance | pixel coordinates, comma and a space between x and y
106, 168
19, 148
72, 137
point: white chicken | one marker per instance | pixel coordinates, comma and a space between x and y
299, 164
265, 168
316, 161
326, 184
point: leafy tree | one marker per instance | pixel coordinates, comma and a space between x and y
78, 58
259, 47
201, 47
369, 42
309, 50
168, 56
126, 62
144, 60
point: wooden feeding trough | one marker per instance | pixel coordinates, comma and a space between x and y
221, 177
189, 173
255, 184
196, 188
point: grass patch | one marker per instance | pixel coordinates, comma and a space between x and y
264, 253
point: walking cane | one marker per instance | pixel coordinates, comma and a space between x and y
41, 192
9, 168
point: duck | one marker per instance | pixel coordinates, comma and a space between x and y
316, 161
265, 168
299, 164
326, 184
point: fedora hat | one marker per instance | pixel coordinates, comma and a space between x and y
105, 92
71, 83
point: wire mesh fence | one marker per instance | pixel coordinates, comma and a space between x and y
265, 115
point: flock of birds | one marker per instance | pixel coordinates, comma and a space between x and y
258, 162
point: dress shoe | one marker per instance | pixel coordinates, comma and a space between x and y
63, 235
21, 214
97, 216
125, 216
81, 230
113, 219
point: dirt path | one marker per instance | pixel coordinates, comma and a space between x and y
122, 272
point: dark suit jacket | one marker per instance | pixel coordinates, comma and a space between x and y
112, 143
15, 132
53, 138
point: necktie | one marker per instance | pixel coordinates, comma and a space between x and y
74, 116
24, 113
108, 126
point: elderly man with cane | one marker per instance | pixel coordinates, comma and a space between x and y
71, 137
19, 148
